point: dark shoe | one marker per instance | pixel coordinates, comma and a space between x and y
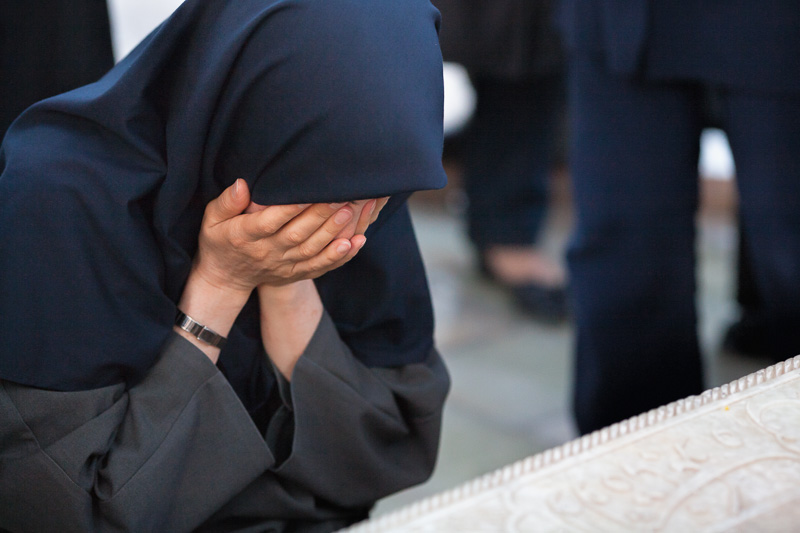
548, 304
744, 338
750, 337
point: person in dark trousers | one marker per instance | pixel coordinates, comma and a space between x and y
515, 62
48, 47
202, 337
639, 75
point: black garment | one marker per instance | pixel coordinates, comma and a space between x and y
502, 39
637, 104
111, 423
509, 150
178, 452
737, 43
103, 188
49, 47
515, 62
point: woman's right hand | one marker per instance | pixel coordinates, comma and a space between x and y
271, 247
274, 246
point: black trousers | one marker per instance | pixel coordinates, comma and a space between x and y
509, 151
634, 152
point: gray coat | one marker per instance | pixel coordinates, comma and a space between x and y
178, 452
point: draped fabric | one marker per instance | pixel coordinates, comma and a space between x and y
103, 188
48, 47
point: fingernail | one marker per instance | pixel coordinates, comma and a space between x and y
343, 216
237, 189
337, 206
343, 248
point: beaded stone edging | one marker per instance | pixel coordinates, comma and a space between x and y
575, 447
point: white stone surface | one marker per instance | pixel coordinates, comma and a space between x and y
725, 461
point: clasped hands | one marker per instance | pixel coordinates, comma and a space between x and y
243, 245
277, 250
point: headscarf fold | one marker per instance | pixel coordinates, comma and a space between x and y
103, 188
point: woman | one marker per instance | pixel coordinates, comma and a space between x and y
209, 176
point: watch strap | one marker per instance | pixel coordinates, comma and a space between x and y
199, 331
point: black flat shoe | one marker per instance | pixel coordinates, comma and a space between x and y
745, 338
750, 337
547, 304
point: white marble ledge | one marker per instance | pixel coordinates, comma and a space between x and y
725, 461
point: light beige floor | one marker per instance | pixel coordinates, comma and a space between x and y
510, 374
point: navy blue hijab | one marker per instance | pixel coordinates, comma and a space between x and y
103, 188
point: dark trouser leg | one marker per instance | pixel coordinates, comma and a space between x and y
748, 335
508, 153
634, 171
765, 142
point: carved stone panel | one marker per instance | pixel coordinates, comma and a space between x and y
725, 461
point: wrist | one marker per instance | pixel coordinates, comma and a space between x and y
290, 315
213, 305
219, 277
289, 294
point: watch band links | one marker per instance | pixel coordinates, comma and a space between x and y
199, 331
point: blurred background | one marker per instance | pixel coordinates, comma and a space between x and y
511, 372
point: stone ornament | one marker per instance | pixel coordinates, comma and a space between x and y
727, 460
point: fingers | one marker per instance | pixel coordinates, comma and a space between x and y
381, 203
262, 221
369, 214
254, 208
356, 244
336, 254
365, 217
298, 229
230, 203
250, 244
317, 228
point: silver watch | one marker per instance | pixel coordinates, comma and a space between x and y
202, 333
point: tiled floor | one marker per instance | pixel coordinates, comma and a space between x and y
510, 374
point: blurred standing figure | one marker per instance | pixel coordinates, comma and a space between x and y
515, 62
48, 47
640, 74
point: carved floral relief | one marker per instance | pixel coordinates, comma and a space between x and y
725, 461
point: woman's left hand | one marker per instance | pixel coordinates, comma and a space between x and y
291, 313
366, 212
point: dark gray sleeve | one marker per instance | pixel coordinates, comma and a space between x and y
357, 434
160, 456
179, 450
346, 436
